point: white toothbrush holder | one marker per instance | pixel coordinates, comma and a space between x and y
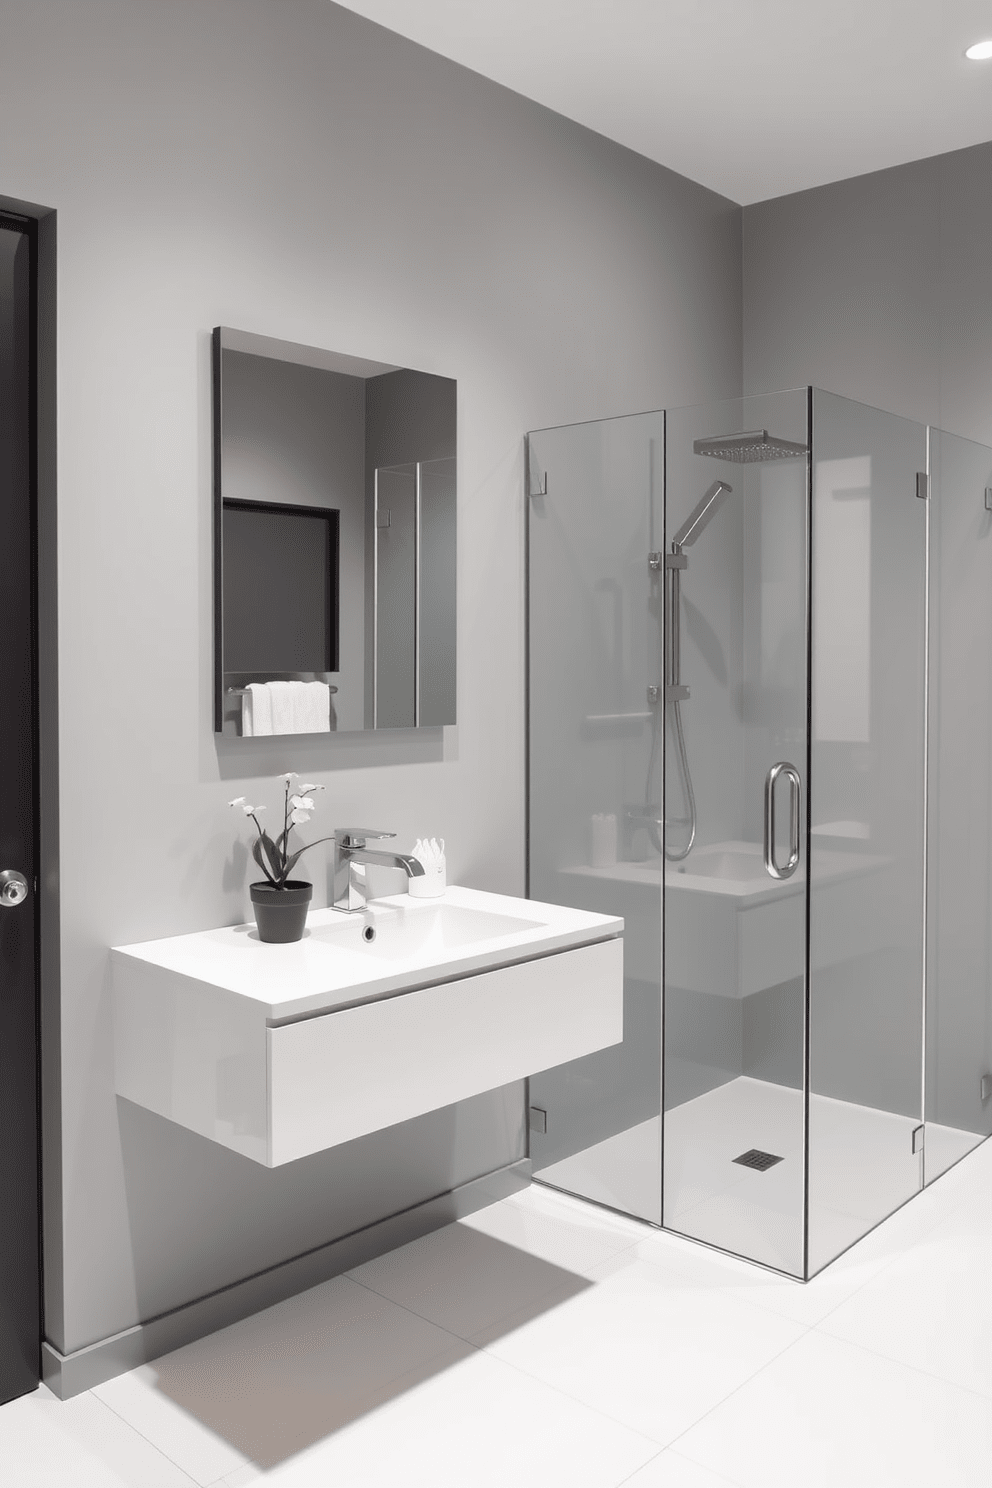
435, 878
431, 886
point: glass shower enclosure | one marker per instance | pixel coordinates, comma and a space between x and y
752, 734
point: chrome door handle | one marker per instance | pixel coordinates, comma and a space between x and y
795, 791
13, 888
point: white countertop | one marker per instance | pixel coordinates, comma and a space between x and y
331, 967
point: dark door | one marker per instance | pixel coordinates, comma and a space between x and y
20, 1322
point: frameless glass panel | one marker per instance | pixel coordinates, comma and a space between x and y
395, 596
959, 939
866, 819
595, 659
735, 896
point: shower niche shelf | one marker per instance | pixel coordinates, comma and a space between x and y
739, 929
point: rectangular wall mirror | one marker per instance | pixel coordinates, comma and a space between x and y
334, 541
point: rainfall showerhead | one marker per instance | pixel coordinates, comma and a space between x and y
747, 449
704, 512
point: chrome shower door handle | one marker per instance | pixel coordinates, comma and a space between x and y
795, 794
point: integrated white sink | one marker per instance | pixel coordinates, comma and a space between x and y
417, 932
371, 1019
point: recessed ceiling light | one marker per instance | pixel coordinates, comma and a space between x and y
980, 52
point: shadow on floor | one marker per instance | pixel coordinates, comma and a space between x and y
286, 1378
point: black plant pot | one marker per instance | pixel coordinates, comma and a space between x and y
281, 914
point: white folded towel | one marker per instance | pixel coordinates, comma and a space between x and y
286, 708
256, 710
311, 707
281, 694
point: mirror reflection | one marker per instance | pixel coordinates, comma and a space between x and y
334, 541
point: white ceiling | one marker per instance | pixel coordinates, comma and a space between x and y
754, 98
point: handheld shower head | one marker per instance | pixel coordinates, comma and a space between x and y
675, 690
703, 513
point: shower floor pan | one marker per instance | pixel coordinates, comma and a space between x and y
861, 1167
710, 1197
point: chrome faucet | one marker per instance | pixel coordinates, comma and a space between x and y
350, 895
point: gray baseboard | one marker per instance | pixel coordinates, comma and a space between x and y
69, 1374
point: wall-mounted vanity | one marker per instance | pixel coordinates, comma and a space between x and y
277, 1051
334, 540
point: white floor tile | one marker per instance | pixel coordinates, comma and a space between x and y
268, 1387
653, 1356
931, 1309
695, 1267
896, 1237
613, 1354
481, 1424
826, 1414
241, 1477
558, 1228
671, 1470
78, 1443
200, 1451
468, 1281
908, 1226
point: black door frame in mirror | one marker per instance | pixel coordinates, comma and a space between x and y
332, 517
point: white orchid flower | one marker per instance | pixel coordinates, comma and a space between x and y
251, 810
238, 801
302, 803
290, 776
298, 817
306, 789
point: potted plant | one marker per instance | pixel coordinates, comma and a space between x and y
280, 902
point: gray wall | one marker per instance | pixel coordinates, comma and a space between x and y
878, 288
213, 162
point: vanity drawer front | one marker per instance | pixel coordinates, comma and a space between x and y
339, 1076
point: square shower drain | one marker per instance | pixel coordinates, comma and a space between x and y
755, 1158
